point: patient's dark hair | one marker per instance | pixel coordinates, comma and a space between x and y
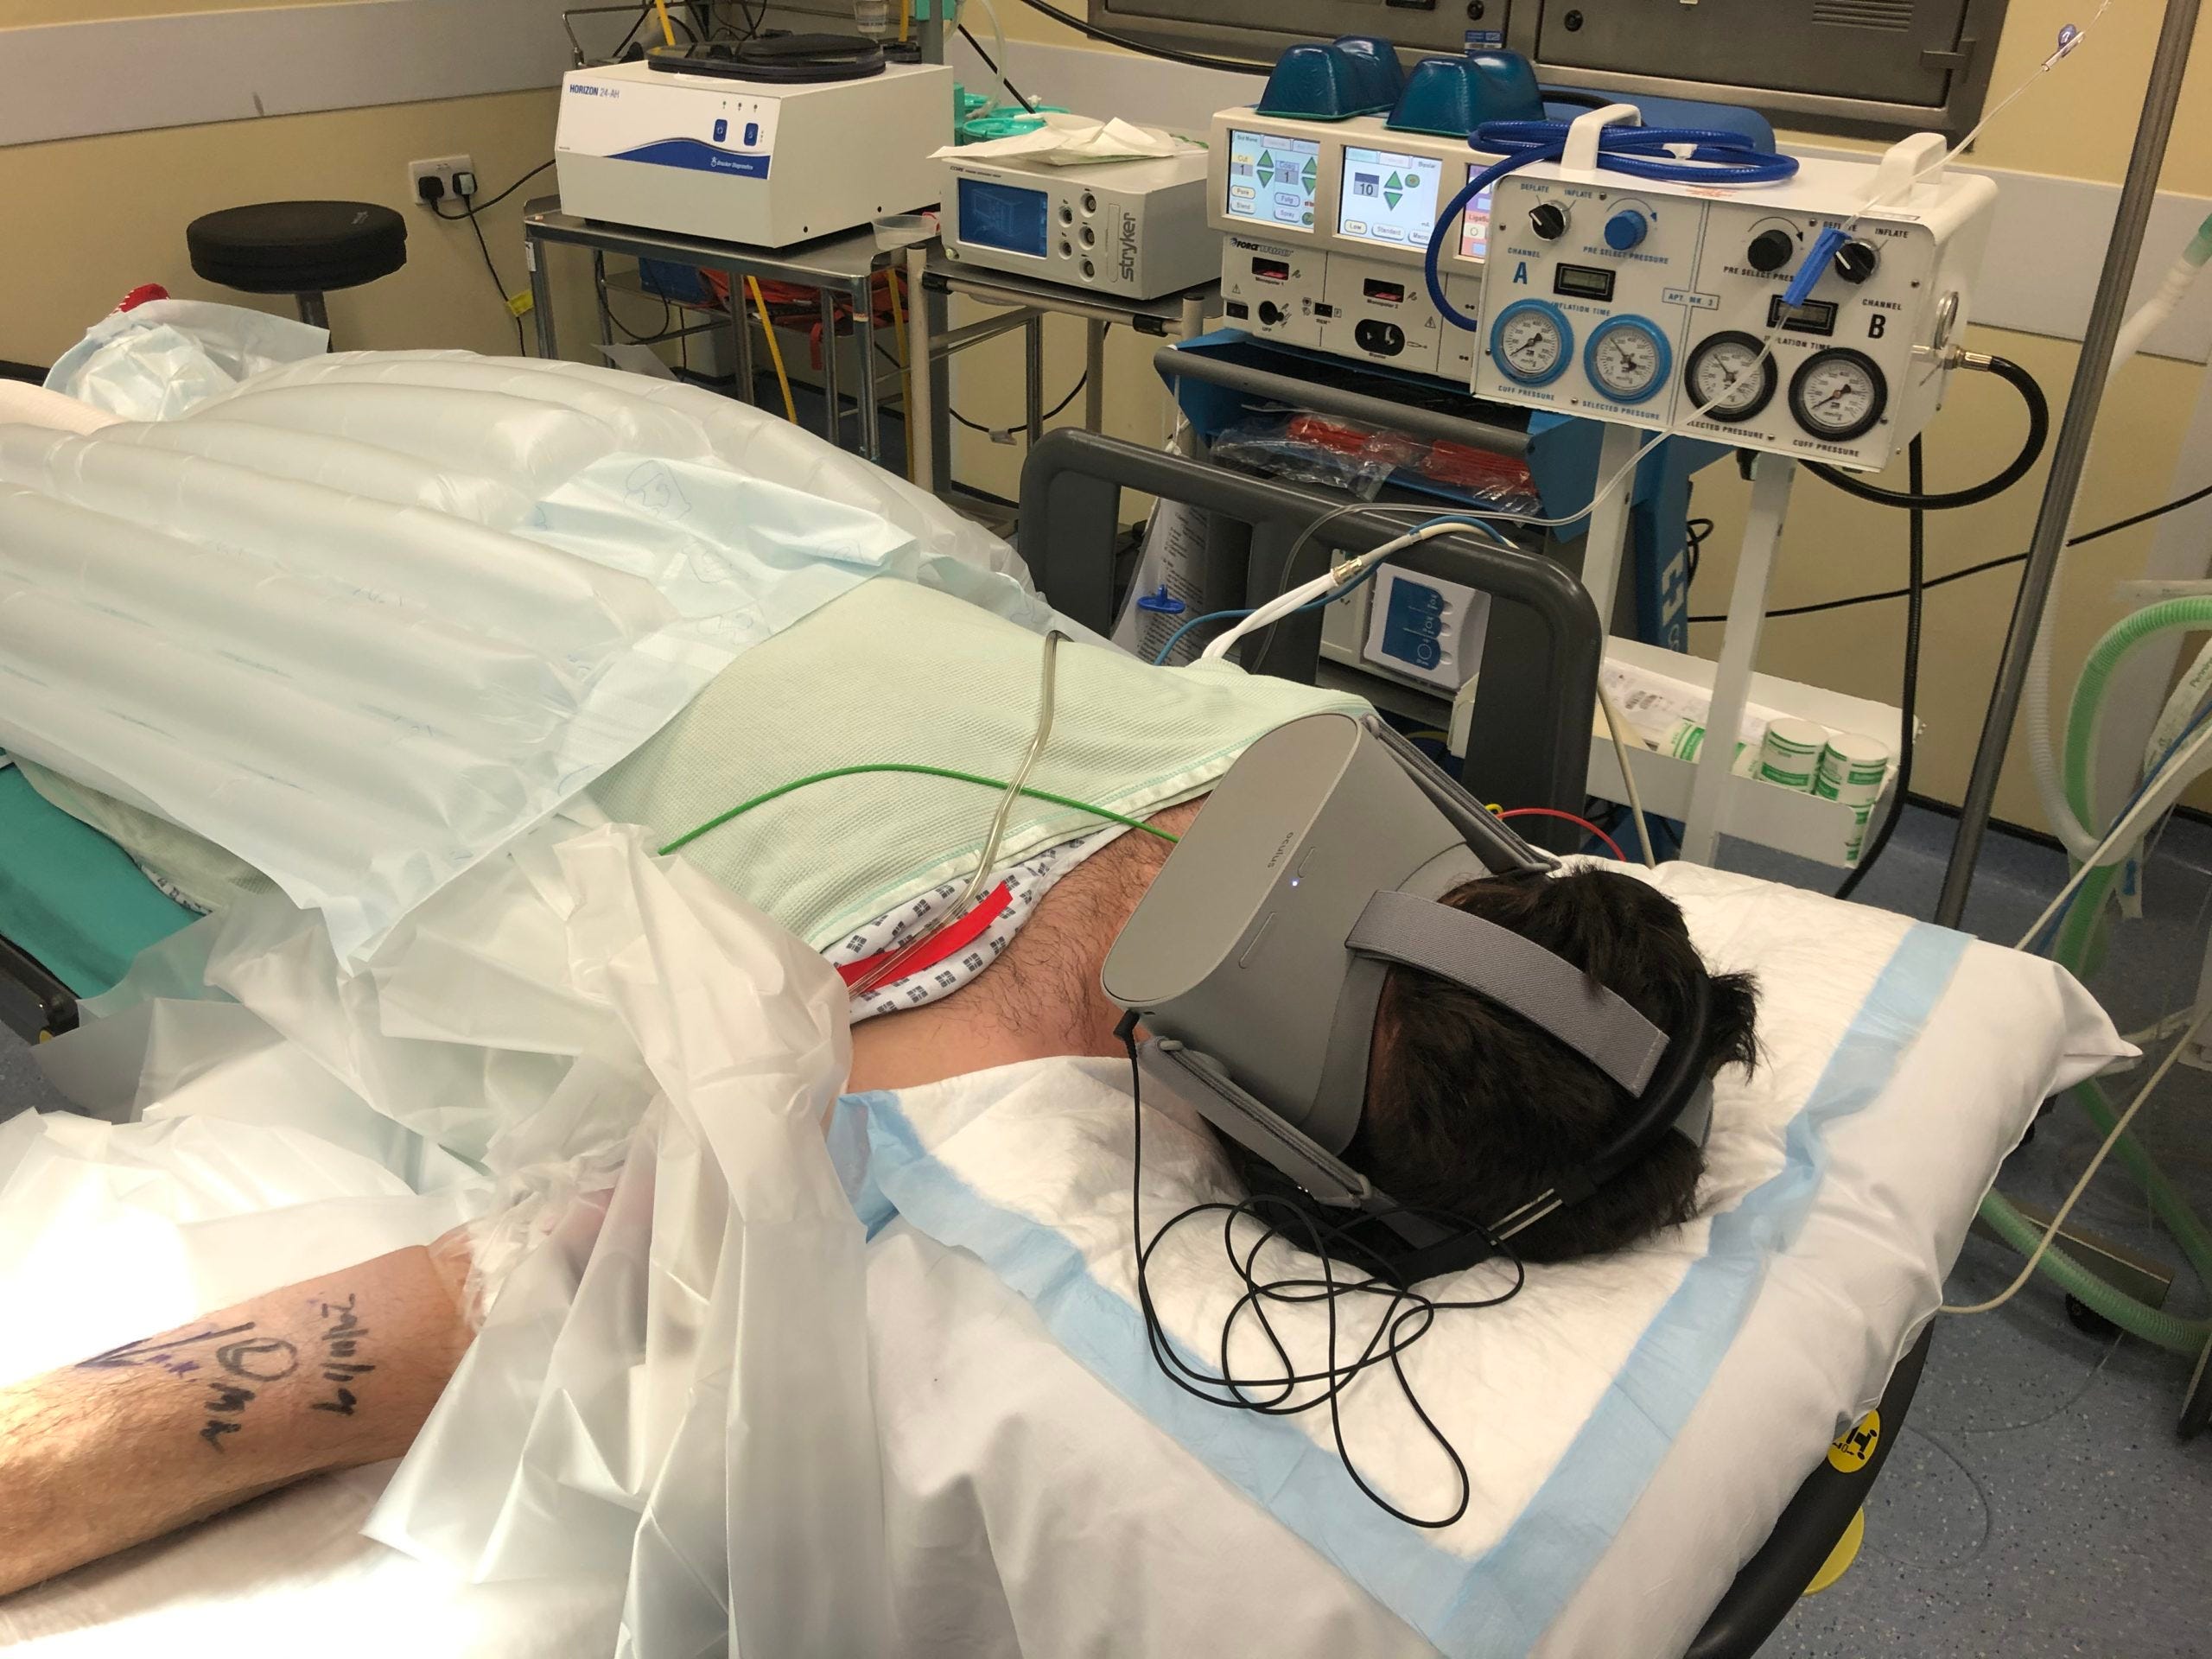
1472, 1108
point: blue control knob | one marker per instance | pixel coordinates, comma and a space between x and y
1625, 229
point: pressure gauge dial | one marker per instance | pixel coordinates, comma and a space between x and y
1838, 395
1731, 377
1627, 359
1532, 342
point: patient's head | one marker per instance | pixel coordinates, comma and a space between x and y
1473, 1108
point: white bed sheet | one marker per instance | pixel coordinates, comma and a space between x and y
1030, 1508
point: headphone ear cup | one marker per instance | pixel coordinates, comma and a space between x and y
1363, 1243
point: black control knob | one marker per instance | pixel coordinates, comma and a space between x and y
1271, 314
1548, 221
1855, 261
1771, 250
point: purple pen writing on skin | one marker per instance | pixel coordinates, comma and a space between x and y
157, 1351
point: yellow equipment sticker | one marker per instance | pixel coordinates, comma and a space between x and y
519, 305
1856, 1445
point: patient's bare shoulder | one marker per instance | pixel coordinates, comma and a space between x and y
1042, 996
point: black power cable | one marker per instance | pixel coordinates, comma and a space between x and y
468, 212
1404, 1322
494, 202
1908, 698
977, 46
2013, 471
992, 432
1695, 533
1196, 60
1987, 565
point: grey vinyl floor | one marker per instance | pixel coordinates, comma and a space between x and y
2039, 1502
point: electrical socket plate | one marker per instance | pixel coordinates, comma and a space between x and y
441, 169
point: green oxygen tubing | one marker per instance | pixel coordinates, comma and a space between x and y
2180, 751
2180, 757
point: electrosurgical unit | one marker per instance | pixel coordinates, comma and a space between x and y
1137, 229
765, 162
1328, 191
1324, 224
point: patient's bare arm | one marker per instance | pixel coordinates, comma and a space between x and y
135, 1442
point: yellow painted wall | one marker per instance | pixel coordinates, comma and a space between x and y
110, 212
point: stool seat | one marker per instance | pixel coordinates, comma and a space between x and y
297, 247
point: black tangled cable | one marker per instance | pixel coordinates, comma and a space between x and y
1408, 1318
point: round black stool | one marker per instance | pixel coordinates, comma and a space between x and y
300, 248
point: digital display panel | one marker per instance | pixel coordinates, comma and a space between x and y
1812, 317
1387, 198
1003, 216
1582, 282
1272, 179
1474, 224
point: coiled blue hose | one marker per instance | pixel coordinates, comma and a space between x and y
1714, 157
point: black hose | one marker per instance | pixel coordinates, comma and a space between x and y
1915, 582
2031, 451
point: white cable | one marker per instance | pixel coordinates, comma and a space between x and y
998, 45
894, 966
2182, 708
2068, 38
2174, 777
2051, 1230
2042, 747
1350, 568
1328, 581
2159, 1032
1613, 724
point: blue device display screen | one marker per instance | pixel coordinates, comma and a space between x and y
1001, 216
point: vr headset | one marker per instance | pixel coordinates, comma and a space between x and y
1256, 960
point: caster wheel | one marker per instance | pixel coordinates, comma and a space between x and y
2088, 1320
2196, 1405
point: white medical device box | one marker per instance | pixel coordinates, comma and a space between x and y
1424, 628
1325, 225
1630, 301
1135, 229
761, 163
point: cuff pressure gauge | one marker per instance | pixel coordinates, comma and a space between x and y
1732, 377
1627, 359
1838, 395
1532, 342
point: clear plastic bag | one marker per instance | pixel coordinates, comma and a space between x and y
1354, 456
689, 1346
674, 1339
159, 360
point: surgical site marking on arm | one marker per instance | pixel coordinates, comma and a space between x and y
341, 1341
256, 1359
254, 1362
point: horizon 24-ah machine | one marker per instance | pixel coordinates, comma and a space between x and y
715, 145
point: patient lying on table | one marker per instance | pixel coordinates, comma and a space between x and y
1470, 1108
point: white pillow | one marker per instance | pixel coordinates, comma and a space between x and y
1836, 1196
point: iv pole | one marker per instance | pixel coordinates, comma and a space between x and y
2138, 193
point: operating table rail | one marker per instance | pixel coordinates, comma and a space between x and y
1530, 740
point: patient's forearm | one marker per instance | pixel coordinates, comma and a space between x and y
132, 1443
